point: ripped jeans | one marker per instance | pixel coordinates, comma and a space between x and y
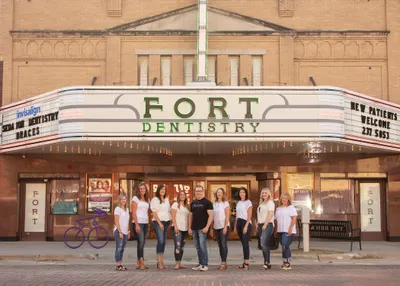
120, 246
179, 243
286, 241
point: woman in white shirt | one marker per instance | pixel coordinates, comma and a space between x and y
180, 216
161, 218
265, 221
243, 224
285, 218
121, 231
140, 222
221, 225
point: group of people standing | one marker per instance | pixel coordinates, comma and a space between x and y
199, 218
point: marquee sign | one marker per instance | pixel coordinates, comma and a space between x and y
29, 121
217, 113
372, 120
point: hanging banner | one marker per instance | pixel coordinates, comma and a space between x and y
35, 207
370, 207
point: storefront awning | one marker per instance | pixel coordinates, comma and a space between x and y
181, 118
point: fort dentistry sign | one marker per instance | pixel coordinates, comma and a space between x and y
181, 113
185, 108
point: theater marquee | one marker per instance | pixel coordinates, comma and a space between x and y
182, 113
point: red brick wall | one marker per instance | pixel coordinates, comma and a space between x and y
1, 83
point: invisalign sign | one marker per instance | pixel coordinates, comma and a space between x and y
33, 110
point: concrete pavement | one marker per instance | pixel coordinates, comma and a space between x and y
333, 251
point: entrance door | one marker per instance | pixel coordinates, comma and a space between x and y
372, 210
172, 189
33, 211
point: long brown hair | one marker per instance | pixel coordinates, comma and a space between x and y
223, 194
145, 194
158, 195
185, 202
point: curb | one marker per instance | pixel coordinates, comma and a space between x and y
49, 257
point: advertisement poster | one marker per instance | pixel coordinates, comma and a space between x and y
99, 192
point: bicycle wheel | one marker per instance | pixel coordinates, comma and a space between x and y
74, 237
98, 237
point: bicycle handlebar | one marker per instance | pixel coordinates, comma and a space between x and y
100, 213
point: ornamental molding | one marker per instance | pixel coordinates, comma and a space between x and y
59, 49
340, 49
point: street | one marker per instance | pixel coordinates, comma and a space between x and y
50, 273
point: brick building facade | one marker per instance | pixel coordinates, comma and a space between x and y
348, 44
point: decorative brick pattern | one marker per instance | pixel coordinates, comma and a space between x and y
114, 8
56, 48
286, 8
1, 84
342, 48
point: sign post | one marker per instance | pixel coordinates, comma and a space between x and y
305, 220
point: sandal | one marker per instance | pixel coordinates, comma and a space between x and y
244, 266
266, 266
285, 266
119, 268
222, 267
123, 268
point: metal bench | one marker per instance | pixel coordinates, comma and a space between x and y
331, 229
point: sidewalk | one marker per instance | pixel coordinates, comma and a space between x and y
332, 251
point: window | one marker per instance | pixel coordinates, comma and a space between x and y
64, 196
234, 71
143, 71
256, 67
166, 71
337, 197
212, 68
300, 186
188, 69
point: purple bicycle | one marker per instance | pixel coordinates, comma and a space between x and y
74, 236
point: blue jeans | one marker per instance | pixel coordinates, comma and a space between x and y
120, 245
286, 240
179, 244
200, 241
222, 242
140, 238
161, 236
244, 237
265, 236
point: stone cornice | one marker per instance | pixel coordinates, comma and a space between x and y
104, 33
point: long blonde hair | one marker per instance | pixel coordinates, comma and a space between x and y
268, 191
288, 197
120, 197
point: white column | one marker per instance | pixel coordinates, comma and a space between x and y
305, 220
202, 41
